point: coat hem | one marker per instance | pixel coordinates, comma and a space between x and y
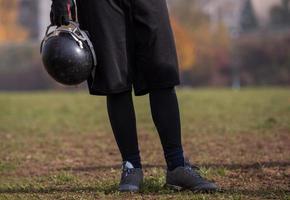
109, 92
144, 91
137, 92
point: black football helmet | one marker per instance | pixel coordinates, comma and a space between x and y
68, 54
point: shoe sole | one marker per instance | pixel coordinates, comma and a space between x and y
178, 188
128, 188
129, 191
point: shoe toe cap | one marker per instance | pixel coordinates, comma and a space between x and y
207, 187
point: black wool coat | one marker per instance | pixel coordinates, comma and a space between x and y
134, 45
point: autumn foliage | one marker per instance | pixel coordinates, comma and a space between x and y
10, 29
185, 45
203, 53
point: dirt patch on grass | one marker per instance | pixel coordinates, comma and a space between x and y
247, 161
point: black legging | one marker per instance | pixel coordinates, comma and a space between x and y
165, 114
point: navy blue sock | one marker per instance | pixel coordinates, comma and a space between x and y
174, 158
165, 114
134, 160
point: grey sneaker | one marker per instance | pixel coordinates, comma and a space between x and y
131, 178
187, 177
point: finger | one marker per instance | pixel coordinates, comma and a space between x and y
73, 14
58, 21
65, 20
52, 18
73, 11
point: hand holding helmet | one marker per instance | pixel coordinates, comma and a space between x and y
67, 52
61, 11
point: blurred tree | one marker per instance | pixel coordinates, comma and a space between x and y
197, 41
265, 58
280, 15
213, 55
185, 46
188, 12
248, 20
10, 30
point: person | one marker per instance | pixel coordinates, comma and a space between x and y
135, 48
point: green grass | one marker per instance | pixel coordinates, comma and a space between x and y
59, 145
203, 110
4, 167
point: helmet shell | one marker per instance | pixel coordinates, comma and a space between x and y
65, 60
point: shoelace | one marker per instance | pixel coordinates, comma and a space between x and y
192, 171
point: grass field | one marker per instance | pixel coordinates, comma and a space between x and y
57, 145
